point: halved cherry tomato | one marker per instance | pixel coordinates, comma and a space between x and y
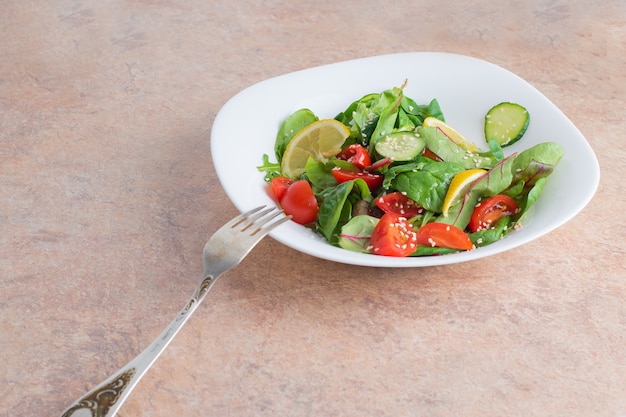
373, 181
443, 235
299, 201
398, 203
357, 155
393, 236
488, 212
279, 186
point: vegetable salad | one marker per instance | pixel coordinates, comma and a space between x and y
390, 188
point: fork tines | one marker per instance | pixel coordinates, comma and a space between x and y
259, 217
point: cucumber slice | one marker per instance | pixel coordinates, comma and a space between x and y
506, 122
400, 146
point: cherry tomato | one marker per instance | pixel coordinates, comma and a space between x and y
443, 235
398, 203
373, 181
279, 186
299, 201
489, 211
357, 155
393, 236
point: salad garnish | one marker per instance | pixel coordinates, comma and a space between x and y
391, 177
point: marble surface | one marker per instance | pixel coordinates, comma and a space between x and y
108, 193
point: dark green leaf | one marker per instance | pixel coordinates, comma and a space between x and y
336, 207
427, 184
295, 122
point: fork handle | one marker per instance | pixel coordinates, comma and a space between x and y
105, 399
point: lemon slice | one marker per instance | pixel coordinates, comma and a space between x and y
320, 140
451, 132
459, 186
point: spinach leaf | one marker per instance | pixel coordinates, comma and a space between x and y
392, 172
336, 207
319, 175
331, 208
423, 250
295, 122
406, 121
427, 184
487, 236
364, 123
346, 116
386, 123
418, 112
364, 115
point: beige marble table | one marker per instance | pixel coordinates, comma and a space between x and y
108, 192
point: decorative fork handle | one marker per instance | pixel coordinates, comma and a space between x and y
105, 399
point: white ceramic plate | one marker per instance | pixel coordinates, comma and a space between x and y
466, 88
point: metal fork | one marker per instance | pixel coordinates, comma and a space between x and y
225, 249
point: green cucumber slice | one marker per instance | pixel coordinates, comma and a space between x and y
506, 122
400, 146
